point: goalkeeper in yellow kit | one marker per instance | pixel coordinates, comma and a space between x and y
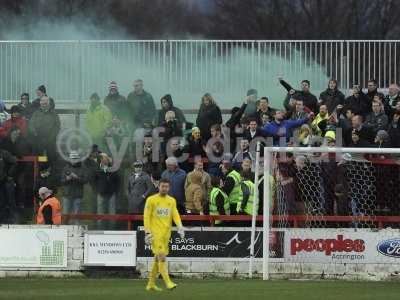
159, 212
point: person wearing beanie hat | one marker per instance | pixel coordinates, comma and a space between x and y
40, 92
115, 102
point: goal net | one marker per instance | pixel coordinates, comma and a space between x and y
334, 205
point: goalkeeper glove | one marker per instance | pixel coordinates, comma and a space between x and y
148, 238
181, 232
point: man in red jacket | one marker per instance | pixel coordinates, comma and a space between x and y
16, 121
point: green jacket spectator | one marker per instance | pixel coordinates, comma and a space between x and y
141, 105
98, 119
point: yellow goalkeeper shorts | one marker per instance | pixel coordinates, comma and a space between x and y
160, 247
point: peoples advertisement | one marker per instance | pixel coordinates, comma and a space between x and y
218, 244
342, 246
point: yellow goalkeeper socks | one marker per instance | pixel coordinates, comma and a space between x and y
153, 273
162, 267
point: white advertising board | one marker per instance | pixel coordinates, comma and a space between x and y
110, 248
33, 248
342, 246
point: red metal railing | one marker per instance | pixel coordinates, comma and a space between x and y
296, 220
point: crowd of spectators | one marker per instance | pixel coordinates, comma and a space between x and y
209, 163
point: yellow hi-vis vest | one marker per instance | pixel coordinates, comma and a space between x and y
250, 202
213, 203
236, 195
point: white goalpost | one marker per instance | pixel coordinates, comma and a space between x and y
269, 160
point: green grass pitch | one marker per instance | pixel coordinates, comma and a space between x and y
120, 289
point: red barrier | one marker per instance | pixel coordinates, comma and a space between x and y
295, 219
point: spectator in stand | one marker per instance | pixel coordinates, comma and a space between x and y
8, 164
372, 91
141, 105
331, 97
117, 131
319, 123
194, 195
265, 119
219, 201
205, 180
98, 119
49, 211
364, 132
115, 102
392, 98
243, 153
357, 141
46, 178
246, 168
345, 124
73, 178
41, 92
233, 124
107, 184
264, 108
281, 128
251, 108
377, 120
298, 111
177, 177
194, 145
17, 121
4, 115
168, 105
309, 99
382, 139
152, 156
358, 102
177, 150
215, 150
44, 128
209, 114
306, 137
394, 127
253, 131
231, 187
25, 106
140, 187
172, 128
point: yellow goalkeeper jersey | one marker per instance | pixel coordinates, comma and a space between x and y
158, 215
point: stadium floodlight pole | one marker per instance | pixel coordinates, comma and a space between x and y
254, 212
266, 217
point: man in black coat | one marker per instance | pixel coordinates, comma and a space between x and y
331, 97
304, 94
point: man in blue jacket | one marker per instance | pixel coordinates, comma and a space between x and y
280, 128
177, 178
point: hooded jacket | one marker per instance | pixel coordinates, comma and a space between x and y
161, 113
98, 119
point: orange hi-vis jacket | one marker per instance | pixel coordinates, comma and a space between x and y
55, 209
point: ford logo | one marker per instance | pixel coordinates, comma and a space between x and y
390, 248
